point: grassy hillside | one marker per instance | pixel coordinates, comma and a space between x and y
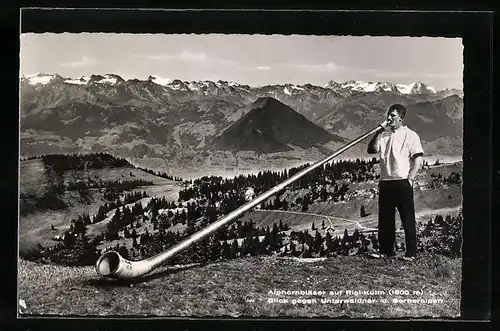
35, 181
32, 177
241, 287
429, 200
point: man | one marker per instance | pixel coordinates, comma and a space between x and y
400, 159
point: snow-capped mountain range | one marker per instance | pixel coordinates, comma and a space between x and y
178, 85
360, 86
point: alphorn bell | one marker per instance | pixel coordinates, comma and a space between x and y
111, 264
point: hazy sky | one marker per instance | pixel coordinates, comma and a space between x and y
247, 59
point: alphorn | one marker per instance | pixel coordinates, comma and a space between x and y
111, 264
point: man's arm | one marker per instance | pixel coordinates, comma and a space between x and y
415, 164
373, 145
416, 159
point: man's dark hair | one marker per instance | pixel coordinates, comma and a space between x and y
399, 108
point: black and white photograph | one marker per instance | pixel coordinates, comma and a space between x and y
240, 175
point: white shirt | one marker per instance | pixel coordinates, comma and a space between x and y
396, 150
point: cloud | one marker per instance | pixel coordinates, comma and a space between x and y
195, 57
153, 57
185, 56
423, 74
83, 62
263, 67
408, 74
323, 67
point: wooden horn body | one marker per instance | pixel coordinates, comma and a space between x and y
111, 264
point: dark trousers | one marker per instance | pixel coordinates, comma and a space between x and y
396, 194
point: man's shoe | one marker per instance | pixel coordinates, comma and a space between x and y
408, 258
380, 255
375, 255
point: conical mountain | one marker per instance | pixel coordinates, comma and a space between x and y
271, 126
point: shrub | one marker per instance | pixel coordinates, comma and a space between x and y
442, 236
80, 253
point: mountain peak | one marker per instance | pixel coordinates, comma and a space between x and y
415, 88
271, 126
264, 101
118, 78
420, 88
37, 74
160, 80
40, 78
178, 85
111, 79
